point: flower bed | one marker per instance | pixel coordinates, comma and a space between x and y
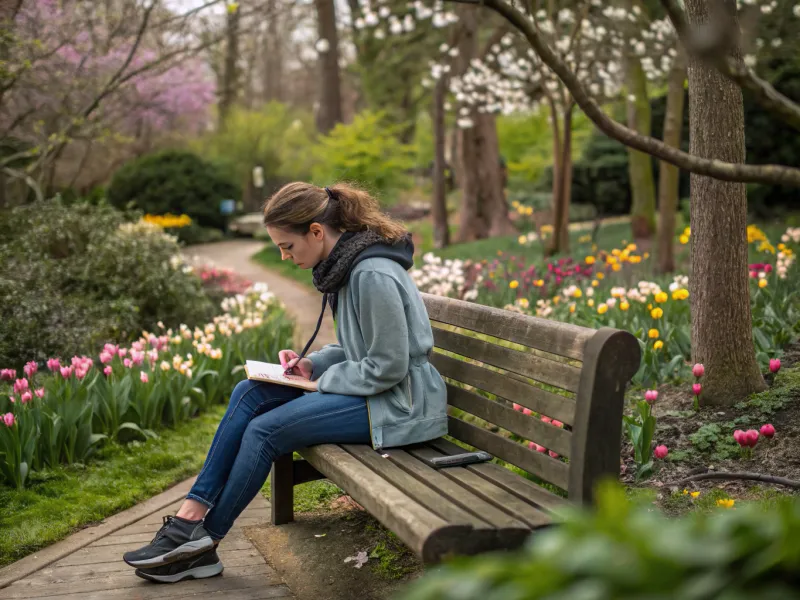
59, 411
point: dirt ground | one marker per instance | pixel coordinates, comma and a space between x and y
309, 554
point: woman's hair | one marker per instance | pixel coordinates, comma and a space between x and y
297, 205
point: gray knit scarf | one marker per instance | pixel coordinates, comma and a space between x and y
332, 273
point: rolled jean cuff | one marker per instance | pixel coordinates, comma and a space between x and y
197, 498
214, 536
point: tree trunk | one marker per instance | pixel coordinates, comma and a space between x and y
668, 181
722, 335
492, 206
471, 225
560, 240
330, 107
640, 165
230, 71
441, 232
273, 56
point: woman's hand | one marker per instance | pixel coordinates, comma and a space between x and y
302, 368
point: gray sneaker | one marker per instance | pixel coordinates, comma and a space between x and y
177, 539
206, 565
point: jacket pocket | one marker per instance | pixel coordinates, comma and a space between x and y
400, 396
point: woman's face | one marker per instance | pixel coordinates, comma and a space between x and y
304, 250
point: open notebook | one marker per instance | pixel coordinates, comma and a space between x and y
261, 371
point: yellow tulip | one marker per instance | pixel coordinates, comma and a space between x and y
572, 308
762, 283
658, 345
684, 239
653, 334
616, 267
514, 284
595, 283
624, 305
522, 239
600, 275
657, 313
590, 302
661, 297
590, 260
577, 293
602, 309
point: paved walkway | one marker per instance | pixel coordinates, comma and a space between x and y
88, 565
302, 303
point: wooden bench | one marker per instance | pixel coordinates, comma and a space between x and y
572, 374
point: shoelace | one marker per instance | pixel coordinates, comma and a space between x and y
167, 519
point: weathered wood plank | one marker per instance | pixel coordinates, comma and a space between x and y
526, 426
114, 553
529, 396
550, 336
303, 472
429, 497
145, 590
28, 588
489, 492
511, 482
282, 490
452, 491
525, 364
540, 464
612, 358
425, 533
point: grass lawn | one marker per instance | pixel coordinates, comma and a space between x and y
59, 502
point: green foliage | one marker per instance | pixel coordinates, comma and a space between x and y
627, 550
275, 137
366, 152
60, 500
75, 277
173, 182
640, 426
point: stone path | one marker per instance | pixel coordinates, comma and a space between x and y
88, 565
302, 303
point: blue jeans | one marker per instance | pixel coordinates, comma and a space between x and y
263, 422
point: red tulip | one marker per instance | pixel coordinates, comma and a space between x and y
767, 430
697, 389
752, 437
774, 365
661, 452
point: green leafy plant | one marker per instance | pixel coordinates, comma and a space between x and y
626, 551
641, 426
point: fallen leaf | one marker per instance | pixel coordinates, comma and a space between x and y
320, 534
360, 559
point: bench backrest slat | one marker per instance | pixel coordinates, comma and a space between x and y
581, 383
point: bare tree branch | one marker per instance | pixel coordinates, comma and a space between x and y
745, 475
771, 174
765, 94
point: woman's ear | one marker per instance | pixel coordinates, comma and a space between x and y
317, 230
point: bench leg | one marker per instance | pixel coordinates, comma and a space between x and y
282, 490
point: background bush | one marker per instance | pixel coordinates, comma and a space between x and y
366, 152
75, 277
173, 182
627, 552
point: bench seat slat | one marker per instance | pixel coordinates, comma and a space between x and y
452, 491
419, 489
529, 365
489, 492
529, 396
563, 339
538, 463
425, 533
527, 426
509, 481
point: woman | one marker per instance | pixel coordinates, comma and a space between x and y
375, 387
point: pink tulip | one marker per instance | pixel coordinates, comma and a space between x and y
66, 372
106, 357
774, 365
7, 374
122, 352
127, 362
697, 389
767, 430
12, 399
752, 437
53, 364
558, 424
153, 341
527, 411
143, 377
547, 420
30, 368
753, 274
651, 396
698, 370
9, 419
137, 357
740, 438
552, 454
81, 373
26, 397
107, 370
537, 447
136, 346
40, 393
661, 452
517, 407
20, 385
152, 356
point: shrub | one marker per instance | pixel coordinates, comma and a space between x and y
173, 182
73, 277
366, 152
625, 551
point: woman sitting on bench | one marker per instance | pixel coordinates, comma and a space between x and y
376, 388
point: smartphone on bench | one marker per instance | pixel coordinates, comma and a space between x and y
458, 460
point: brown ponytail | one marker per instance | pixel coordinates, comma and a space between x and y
297, 205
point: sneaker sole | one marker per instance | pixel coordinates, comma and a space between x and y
187, 550
196, 573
